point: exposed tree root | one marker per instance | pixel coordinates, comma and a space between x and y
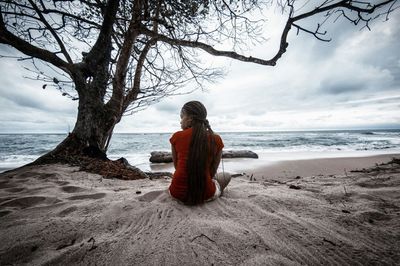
90, 159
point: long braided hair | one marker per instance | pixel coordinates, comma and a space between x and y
202, 145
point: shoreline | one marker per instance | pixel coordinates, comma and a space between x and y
287, 168
318, 166
330, 163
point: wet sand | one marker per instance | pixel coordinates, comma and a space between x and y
314, 167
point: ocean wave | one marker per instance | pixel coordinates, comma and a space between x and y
21, 149
368, 133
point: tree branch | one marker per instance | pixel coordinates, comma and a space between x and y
55, 35
25, 47
345, 4
123, 59
133, 92
211, 50
341, 6
105, 32
316, 33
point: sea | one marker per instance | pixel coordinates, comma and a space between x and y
19, 149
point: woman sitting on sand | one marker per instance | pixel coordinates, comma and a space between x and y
196, 152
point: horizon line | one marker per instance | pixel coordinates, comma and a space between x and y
244, 131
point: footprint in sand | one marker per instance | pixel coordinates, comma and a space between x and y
371, 216
22, 180
373, 184
72, 189
67, 211
6, 184
152, 195
34, 174
15, 189
6, 199
26, 202
46, 175
3, 184
90, 196
25, 175
61, 183
4, 213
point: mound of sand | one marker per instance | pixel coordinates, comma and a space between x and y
57, 215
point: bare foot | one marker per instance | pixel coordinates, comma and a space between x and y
223, 180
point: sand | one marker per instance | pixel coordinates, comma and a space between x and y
325, 166
58, 215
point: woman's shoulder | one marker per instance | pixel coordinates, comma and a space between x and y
183, 132
180, 134
218, 140
216, 136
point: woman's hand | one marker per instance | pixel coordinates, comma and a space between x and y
174, 156
215, 163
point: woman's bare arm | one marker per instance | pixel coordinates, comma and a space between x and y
174, 157
215, 163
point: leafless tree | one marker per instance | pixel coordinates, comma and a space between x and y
118, 56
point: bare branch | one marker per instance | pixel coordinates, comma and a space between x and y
55, 35
23, 46
105, 32
316, 33
347, 4
208, 48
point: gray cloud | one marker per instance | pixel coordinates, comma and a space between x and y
342, 86
28, 93
168, 107
352, 81
379, 100
24, 101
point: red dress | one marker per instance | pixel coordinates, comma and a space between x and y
181, 141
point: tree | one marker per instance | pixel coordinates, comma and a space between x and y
118, 56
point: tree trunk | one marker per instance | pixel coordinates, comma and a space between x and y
94, 126
94, 122
86, 145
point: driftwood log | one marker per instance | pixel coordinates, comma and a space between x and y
166, 157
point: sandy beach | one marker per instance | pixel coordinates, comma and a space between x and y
324, 166
305, 212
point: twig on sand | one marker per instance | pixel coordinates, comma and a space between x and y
201, 236
330, 242
93, 244
195, 253
66, 245
91, 248
344, 187
345, 191
294, 187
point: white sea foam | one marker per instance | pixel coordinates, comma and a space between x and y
19, 149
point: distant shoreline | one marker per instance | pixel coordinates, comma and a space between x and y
262, 166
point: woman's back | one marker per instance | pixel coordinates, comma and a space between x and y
181, 142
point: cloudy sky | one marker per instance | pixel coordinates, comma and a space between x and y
352, 82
